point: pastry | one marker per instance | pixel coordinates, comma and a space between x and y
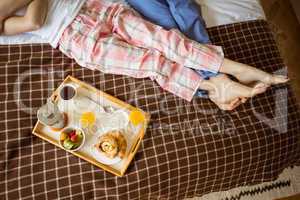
108, 145
112, 144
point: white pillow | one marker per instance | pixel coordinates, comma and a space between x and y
221, 12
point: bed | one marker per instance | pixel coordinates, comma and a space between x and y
190, 149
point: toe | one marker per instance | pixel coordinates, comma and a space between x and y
277, 79
230, 106
235, 102
244, 100
260, 88
225, 106
261, 85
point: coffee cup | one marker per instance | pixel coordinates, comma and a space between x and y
68, 92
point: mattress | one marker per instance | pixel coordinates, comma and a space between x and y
215, 13
189, 149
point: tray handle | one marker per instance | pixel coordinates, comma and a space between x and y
55, 97
134, 148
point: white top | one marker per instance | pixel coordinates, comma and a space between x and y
60, 14
215, 13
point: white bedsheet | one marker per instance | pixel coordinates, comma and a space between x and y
215, 13
221, 12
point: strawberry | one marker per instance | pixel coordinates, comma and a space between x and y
72, 133
74, 138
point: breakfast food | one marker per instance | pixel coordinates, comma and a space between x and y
71, 139
112, 144
136, 117
87, 119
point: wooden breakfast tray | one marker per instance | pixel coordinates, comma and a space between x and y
102, 99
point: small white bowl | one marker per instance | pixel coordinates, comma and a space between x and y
69, 129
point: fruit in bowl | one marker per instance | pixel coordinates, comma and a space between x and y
72, 139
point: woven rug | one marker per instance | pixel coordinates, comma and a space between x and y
287, 184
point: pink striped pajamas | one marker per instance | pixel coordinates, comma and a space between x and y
114, 39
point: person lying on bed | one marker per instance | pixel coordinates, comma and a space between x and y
114, 39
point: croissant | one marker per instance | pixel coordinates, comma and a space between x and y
112, 144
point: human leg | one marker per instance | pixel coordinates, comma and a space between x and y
250, 75
110, 54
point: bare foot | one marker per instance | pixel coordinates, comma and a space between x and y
227, 106
249, 75
228, 94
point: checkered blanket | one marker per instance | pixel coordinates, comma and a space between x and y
189, 149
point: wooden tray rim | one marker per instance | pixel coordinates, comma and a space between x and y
132, 150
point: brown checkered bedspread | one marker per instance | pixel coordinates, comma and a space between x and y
190, 149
